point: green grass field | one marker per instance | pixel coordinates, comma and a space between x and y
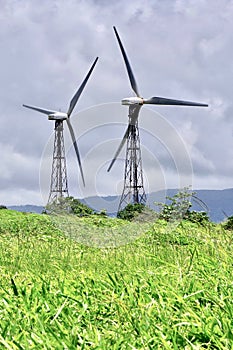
166, 289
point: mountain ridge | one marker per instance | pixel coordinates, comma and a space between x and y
219, 202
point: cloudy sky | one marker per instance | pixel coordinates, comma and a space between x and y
180, 49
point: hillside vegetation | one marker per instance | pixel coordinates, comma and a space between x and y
168, 288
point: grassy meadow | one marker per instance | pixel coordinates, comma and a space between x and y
168, 288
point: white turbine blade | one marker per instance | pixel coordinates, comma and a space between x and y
171, 102
119, 148
127, 64
41, 110
133, 114
80, 90
76, 148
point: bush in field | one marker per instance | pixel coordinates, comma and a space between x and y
79, 208
3, 207
130, 211
137, 211
178, 208
69, 205
228, 225
199, 217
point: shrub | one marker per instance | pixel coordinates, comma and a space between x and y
69, 205
80, 209
199, 217
176, 207
131, 211
228, 225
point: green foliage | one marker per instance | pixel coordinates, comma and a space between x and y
228, 225
69, 205
78, 208
131, 211
169, 289
103, 213
199, 217
3, 207
177, 206
99, 231
17, 224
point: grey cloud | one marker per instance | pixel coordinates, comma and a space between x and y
176, 50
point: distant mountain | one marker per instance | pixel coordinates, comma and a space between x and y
27, 208
219, 203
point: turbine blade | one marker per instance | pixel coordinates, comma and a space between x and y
76, 148
169, 101
119, 148
79, 91
128, 67
41, 110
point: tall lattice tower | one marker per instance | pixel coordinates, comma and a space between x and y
133, 191
59, 183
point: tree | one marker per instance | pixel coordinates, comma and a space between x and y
178, 208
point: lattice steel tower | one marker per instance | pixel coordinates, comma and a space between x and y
59, 183
133, 191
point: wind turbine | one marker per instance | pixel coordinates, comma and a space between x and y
133, 191
58, 184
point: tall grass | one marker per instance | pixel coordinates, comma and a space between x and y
169, 289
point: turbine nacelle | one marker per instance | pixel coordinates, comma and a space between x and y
132, 101
57, 116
